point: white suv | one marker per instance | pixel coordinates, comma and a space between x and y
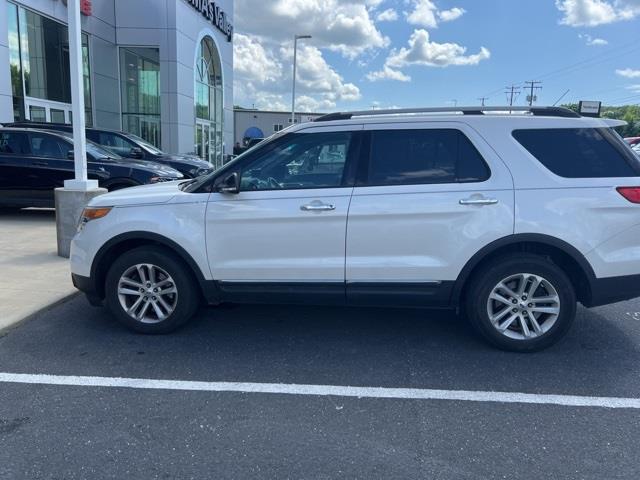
510, 217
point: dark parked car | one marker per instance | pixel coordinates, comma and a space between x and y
34, 162
131, 146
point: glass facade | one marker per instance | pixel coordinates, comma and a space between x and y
39, 63
140, 92
208, 103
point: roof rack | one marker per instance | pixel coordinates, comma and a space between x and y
538, 111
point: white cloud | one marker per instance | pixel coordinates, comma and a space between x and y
345, 26
263, 76
591, 41
589, 13
388, 73
388, 15
252, 62
451, 14
628, 73
422, 51
425, 13
634, 88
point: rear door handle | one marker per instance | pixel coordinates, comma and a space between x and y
478, 201
40, 164
317, 207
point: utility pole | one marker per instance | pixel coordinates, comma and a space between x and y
482, 100
512, 93
533, 86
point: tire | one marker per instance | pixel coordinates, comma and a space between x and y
554, 312
165, 310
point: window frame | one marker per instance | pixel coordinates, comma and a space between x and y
55, 139
362, 176
350, 164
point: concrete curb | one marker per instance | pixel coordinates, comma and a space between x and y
64, 299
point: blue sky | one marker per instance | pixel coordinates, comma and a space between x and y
461, 50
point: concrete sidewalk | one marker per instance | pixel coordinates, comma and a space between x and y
32, 276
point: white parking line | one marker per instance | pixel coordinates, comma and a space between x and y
323, 390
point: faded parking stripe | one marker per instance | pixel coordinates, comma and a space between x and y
324, 390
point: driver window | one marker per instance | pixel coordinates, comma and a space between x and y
306, 160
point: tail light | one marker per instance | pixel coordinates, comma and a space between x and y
630, 193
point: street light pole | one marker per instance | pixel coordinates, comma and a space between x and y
80, 182
295, 59
76, 194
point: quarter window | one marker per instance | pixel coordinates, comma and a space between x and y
580, 152
409, 157
303, 160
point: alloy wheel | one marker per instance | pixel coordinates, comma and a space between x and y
523, 306
147, 293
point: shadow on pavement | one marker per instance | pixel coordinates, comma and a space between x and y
328, 345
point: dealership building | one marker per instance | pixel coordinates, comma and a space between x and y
161, 69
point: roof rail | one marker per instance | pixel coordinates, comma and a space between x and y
538, 111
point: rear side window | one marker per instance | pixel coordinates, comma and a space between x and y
580, 152
13, 143
410, 157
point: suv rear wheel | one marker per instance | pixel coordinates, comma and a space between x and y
522, 303
150, 291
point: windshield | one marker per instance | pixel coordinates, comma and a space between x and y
146, 145
94, 149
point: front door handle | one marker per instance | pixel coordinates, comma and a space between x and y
317, 207
478, 201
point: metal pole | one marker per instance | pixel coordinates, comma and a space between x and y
293, 95
77, 96
293, 90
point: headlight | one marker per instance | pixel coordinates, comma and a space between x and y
92, 213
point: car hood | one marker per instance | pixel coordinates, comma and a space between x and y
142, 195
185, 159
157, 168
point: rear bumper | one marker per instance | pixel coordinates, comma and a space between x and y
613, 289
87, 286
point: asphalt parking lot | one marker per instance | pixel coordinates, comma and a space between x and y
87, 431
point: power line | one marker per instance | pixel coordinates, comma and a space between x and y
590, 62
512, 92
533, 86
482, 100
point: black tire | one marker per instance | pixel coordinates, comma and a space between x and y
187, 299
489, 276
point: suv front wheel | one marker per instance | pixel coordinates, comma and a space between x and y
151, 291
521, 303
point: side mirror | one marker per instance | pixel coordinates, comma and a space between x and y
70, 155
135, 153
228, 184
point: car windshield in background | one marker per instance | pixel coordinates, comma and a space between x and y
93, 148
99, 152
146, 145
